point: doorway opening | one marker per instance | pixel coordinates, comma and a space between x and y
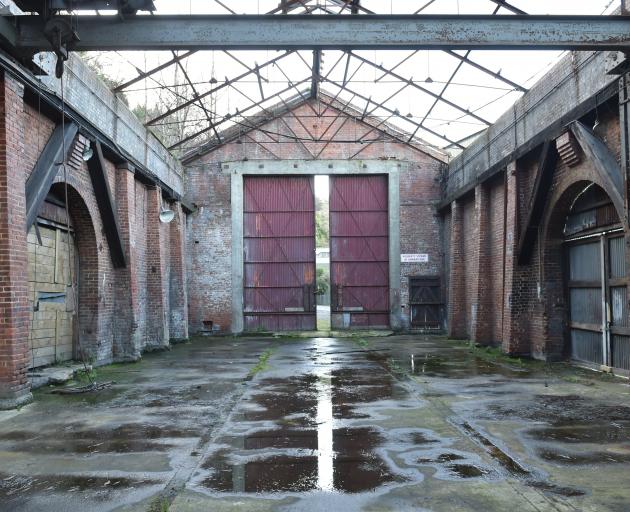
596, 283
322, 251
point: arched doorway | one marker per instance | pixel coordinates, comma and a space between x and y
62, 256
595, 280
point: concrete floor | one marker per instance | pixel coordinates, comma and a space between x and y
376, 424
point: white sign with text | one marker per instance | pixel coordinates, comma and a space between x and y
414, 258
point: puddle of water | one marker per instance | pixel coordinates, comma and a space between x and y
586, 433
88, 446
419, 438
458, 364
586, 458
335, 458
282, 438
126, 438
12, 486
345, 465
567, 492
467, 470
563, 410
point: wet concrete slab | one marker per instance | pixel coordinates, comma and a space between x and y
375, 424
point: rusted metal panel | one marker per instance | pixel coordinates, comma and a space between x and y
617, 257
585, 262
359, 260
585, 302
279, 253
621, 352
586, 346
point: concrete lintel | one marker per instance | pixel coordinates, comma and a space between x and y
238, 170
314, 167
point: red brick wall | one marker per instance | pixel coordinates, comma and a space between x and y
114, 303
209, 234
495, 266
468, 261
140, 249
14, 386
525, 305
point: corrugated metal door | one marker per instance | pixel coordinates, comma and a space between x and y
359, 254
586, 302
618, 299
600, 331
279, 253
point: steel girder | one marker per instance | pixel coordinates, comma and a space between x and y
329, 32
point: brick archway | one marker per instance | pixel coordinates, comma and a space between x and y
88, 272
551, 342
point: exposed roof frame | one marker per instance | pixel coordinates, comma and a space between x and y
227, 83
286, 7
235, 132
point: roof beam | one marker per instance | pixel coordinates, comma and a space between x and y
227, 83
464, 58
46, 168
393, 113
145, 74
104, 199
195, 32
243, 111
315, 68
509, 7
423, 89
542, 185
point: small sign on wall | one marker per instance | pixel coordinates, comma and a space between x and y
414, 258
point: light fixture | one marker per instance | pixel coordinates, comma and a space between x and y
409, 115
213, 80
428, 80
597, 123
88, 152
166, 215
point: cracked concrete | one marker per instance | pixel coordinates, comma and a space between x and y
375, 424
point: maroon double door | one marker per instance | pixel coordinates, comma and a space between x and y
279, 252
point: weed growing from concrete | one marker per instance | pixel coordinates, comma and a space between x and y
362, 342
85, 376
160, 504
262, 362
395, 368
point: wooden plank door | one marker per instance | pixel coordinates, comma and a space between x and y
279, 253
359, 251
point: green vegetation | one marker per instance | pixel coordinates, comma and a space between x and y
362, 342
85, 376
496, 355
395, 368
322, 280
160, 504
262, 362
321, 223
